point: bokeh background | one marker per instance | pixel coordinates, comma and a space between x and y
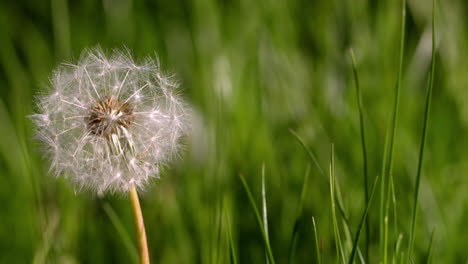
252, 70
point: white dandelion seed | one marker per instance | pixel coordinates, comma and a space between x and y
109, 123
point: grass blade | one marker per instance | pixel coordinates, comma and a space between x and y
317, 249
309, 152
429, 249
383, 173
314, 160
423, 138
336, 230
397, 256
397, 87
394, 202
363, 217
303, 191
363, 143
259, 219
219, 228
232, 247
264, 209
122, 232
338, 198
394, 122
297, 222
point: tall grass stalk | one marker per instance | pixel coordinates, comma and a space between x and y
430, 248
232, 246
395, 212
383, 173
259, 220
398, 256
317, 249
265, 210
336, 230
217, 245
363, 217
311, 155
423, 138
394, 130
299, 217
363, 144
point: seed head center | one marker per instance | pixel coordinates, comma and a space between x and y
109, 116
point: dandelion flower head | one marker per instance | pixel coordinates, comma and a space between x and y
110, 123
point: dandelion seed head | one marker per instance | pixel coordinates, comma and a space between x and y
109, 123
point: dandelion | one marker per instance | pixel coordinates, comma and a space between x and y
110, 124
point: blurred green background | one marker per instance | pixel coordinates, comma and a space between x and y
252, 70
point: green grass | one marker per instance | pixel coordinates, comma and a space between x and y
318, 257
272, 88
423, 138
261, 221
123, 234
388, 172
364, 156
363, 218
336, 229
299, 222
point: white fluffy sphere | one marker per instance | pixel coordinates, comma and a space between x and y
109, 123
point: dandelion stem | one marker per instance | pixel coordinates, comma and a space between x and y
139, 225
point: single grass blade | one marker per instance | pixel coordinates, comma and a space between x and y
264, 209
390, 194
259, 219
297, 222
232, 246
363, 217
395, 212
386, 218
383, 174
398, 255
398, 86
219, 228
399, 237
423, 138
363, 144
395, 121
336, 230
309, 152
429, 249
348, 234
294, 238
317, 249
132, 250
303, 191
